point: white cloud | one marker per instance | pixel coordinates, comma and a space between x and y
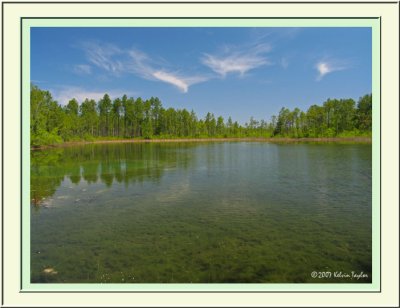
182, 83
133, 61
64, 94
166, 77
82, 69
237, 61
325, 67
145, 67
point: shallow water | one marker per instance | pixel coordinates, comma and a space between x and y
249, 212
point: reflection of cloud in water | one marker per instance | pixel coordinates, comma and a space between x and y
101, 191
47, 203
63, 197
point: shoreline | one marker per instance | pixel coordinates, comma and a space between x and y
244, 139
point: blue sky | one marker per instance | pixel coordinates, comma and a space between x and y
238, 72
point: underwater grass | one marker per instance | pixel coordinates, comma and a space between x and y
201, 213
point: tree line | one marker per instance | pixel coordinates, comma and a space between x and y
124, 117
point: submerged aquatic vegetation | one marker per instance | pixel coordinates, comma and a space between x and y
201, 213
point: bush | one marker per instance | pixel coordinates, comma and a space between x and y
330, 132
88, 137
45, 138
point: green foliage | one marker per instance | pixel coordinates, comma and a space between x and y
364, 113
43, 137
335, 118
146, 119
88, 137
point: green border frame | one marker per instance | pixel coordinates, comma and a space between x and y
373, 22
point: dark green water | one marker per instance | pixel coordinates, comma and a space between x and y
229, 212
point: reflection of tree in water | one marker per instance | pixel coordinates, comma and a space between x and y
123, 163
44, 177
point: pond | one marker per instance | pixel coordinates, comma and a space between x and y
207, 212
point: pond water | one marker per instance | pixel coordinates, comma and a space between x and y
212, 212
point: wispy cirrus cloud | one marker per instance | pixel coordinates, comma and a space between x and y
284, 62
82, 69
140, 64
237, 60
65, 93
133, 61
148, 68
327, 66
104, 56
182, 83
